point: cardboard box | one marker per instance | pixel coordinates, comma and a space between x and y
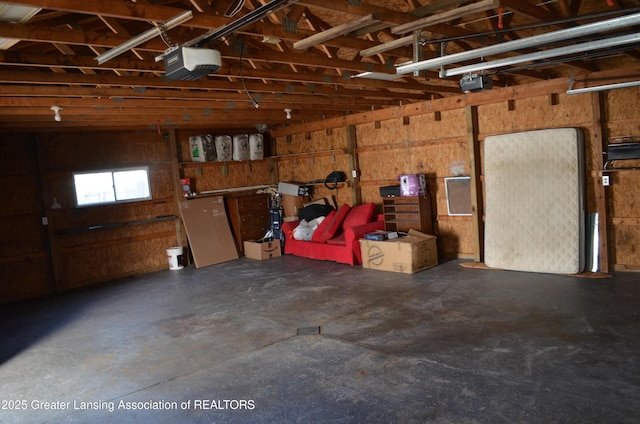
291, 205
407, 255
293, 189
327, 200
262, 249
381, 235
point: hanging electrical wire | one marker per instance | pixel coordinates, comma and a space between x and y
253, 101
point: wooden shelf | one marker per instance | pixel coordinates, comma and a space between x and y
406, 213
619, 170
191, 164
110, 225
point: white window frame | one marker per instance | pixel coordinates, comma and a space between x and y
114, 199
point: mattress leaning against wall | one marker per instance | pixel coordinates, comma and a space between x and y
534, 211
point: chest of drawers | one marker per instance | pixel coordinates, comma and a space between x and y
249, 217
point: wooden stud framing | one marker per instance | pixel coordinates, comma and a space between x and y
54, 246
597, 105
352, 147
476, 187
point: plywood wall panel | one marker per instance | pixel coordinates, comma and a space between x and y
316, 141
89, 151
221, 176
626, 242
26, 278
455, 238
624, 199
431, 158
20, 195
307, 168
622, 106
106, 262
25, 263
420, 128
65, 220
371, 193
17, 152
534, 113
22, 235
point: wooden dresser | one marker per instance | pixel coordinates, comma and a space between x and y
249, 216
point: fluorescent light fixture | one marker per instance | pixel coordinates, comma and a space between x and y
15, 14
537, 40
378, 76
545, 54
145, 36
603, 87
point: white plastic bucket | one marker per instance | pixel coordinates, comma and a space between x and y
174, 254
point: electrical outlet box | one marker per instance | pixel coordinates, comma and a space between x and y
605, 180
45, 220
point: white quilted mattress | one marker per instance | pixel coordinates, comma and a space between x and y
534, 205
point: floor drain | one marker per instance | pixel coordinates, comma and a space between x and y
308, 331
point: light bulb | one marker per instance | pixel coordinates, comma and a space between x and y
288, 112
56, 113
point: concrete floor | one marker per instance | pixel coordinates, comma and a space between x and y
291, 340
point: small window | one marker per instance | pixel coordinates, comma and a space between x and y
112, 186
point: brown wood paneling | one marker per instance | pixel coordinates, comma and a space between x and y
25, 277
103, 242
25, 264
210, 176
626, 242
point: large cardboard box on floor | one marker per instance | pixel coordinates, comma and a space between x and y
408, 255
208, 230
262, 249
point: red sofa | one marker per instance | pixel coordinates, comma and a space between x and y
337, 237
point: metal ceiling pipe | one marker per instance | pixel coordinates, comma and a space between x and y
537, 40
145, 36
603, 87
571, 19
545, 54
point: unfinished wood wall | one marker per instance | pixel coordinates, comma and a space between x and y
25, 261
622, 114
213, 176
311, 156
82, 246
431, 141
100, 243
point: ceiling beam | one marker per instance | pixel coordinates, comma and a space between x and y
137, 11
389, 16
30, 91
336, 31
450, 15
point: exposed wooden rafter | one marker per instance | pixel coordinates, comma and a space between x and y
302, 57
